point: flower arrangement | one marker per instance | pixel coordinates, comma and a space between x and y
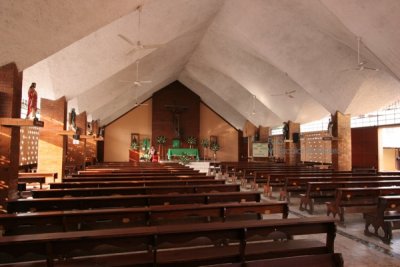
214, 147
161, 139
204, 143
134, 146
184, 159
191, 140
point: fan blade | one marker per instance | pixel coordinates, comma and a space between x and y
126, 39
132, 51
152, 46
290, 96
291, 92
368, 68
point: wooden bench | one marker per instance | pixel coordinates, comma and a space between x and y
29, 180
81, 203
357, 200
130, 172
385, 217
138, 190
52, 175
135, 183
52, 221
326, 260
299, 184
137, 178
175, 245
325, 191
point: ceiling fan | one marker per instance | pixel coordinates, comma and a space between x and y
361, 64
287, 93
136, 100
138, 45
137, 81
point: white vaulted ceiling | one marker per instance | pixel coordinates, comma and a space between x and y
226, 51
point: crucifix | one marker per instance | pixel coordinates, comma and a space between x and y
176, 113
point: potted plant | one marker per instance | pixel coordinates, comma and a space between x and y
191, 140
205, 144
161, 140
215, 147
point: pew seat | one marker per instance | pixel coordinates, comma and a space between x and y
174, 245
82, 203
358, 200
386, 217
326, 260
52, 221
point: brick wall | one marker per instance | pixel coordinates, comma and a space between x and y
51, 150
10, 107
341, 145
76, 152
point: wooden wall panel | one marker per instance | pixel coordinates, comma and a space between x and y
10, 107
52, 146
178, 95
364, 143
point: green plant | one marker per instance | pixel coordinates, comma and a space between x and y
161, 139
214, 147
134, 146
204, 143
191, 140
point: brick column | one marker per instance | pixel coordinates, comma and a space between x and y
341, 143
10, 107
292, 146
52, 146
76, 153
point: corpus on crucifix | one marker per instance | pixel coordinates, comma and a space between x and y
176, 113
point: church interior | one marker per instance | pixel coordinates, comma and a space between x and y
199, 133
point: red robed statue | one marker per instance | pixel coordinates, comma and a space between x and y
32, 101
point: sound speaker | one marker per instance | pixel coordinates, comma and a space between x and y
296, 137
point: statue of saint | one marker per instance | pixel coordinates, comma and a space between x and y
32, 101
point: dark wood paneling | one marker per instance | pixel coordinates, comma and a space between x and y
364, 143
175, 94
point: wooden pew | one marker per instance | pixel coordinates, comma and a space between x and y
133, 172
81, 203
317, 191
358, 200
53, 221
53, 175
299, 184
175, 245
137, 178
318, 260
385, 217
135, 183
138, 190
34, 179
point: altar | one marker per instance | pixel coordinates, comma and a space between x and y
191, 152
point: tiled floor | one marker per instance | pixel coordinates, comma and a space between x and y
356, 248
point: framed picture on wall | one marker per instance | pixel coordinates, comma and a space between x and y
213, 139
